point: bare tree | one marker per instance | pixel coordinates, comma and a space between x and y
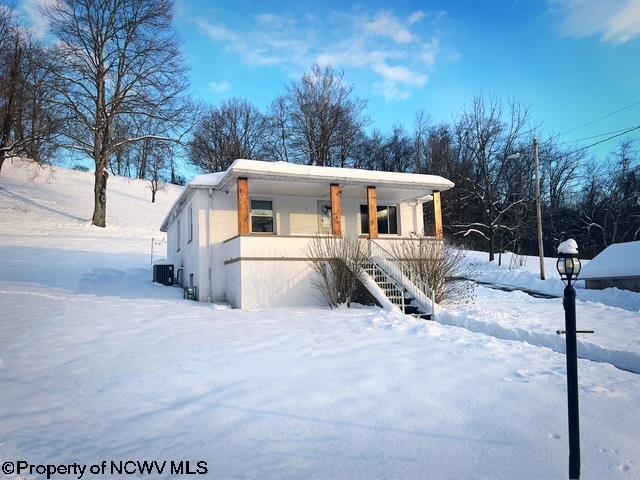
11, 58
338, 264
29, 120
438, 265
278, 136
559, 183
486, 136
118, 58
392, 153
611, 198
420, 139
324, 118
234, 130
157, 165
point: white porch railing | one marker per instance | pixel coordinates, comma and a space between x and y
405, 276
387, 285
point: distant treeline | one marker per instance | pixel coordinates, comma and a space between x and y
487, 151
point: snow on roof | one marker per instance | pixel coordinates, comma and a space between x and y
295, 172
568, 247
282, 170
616, 261
208, 179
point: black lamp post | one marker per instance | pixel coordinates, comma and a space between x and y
569, 268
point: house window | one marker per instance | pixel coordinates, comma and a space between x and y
178, 236
190, 223
262, 216
387, 219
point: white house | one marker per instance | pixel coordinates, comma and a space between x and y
241, 236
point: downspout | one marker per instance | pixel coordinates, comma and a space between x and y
209, 286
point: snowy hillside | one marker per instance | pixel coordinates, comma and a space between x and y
41, 201
97, 363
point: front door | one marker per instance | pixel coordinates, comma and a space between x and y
324, 217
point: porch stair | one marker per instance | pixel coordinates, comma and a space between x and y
393, 290
418, 299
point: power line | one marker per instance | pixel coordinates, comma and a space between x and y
600, 118
637, 127
526, 133
624, 130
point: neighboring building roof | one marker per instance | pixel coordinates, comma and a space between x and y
619, 260
285, 171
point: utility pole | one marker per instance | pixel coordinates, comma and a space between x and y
543, 276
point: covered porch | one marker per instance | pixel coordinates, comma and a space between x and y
299, 207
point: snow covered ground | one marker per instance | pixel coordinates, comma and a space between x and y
611, 313
98, 363
528, 276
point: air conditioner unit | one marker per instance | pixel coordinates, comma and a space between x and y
163, 273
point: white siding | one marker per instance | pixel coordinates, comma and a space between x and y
255, 282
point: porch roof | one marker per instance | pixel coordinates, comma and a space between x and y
282, 178
291, 172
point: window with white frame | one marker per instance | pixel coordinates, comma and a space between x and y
387, 219
190, 223
262, 216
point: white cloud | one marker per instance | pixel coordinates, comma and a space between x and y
387, 25
216, 32
397, 51
614, 21
219, 87
415, 17
430, 51
37, 22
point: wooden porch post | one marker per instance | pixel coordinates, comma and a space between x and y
336, 210
243, 206
372, 202
437, 216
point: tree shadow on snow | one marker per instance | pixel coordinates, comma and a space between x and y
33, 203
104, 274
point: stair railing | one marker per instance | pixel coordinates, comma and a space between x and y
389, 284
414, 284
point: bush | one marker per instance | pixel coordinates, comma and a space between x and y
338, 265
80, 168
441, 266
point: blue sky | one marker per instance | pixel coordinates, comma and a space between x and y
569, 61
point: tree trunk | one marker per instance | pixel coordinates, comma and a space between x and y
100, 194
491, 254
2, 157
153, 196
